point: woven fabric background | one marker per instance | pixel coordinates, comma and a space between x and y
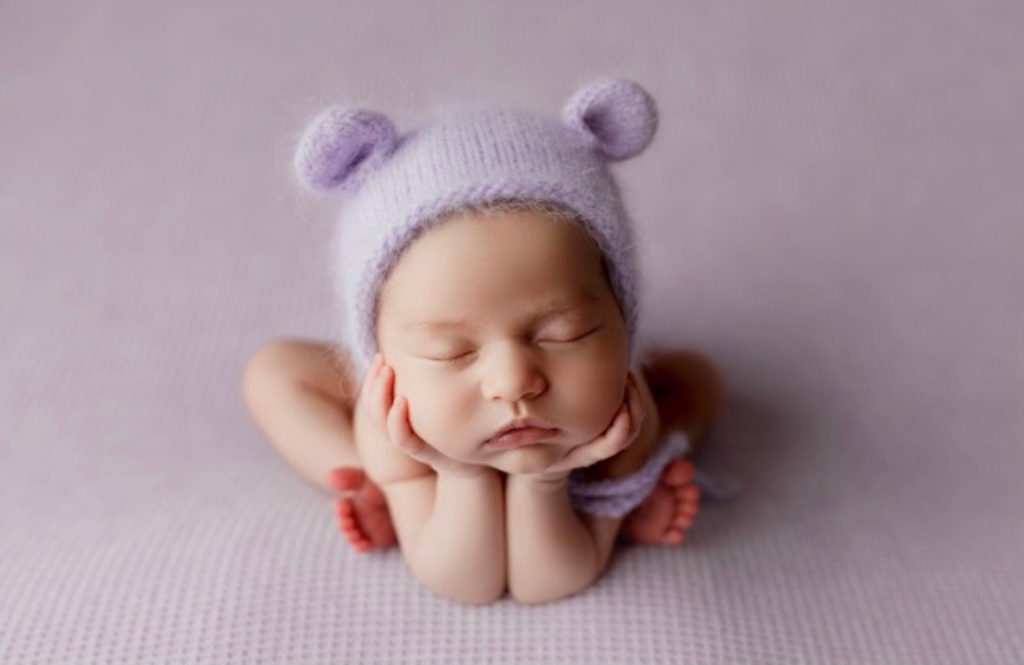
832, 209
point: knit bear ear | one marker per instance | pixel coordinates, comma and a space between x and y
615, 116
340, 147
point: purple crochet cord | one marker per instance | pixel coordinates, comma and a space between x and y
615, 498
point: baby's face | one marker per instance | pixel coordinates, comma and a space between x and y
488, 319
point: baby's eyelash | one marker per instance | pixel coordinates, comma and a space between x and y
461, 356
453, 358
574, 339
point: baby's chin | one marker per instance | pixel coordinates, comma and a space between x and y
526, 459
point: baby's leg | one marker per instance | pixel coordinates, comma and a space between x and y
687, 389
301, 394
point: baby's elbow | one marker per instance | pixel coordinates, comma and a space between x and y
481, 589
477, 598
540, 596
466, 592
540, 589
528, 598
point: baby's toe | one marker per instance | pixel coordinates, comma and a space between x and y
345, 478
686, 503
358, 542
674, 537
354, 536
343, 507
677, 473
682, 521
346, 517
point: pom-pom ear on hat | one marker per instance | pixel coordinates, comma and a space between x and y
615, 116
340, 147
401, 183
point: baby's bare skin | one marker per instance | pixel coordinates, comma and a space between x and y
302, 395
521, 322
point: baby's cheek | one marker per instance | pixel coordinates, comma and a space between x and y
432, 412
592, 395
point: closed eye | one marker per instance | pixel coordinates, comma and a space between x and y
572, 339
452, 359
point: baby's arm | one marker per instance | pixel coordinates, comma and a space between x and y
448, 516
554, 552
452, 532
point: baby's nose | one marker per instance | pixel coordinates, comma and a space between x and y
513, 376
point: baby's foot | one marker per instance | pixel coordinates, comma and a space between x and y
668, 511
362, 512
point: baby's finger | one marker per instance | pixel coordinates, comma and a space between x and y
609, 443
400, 431
618, 435
375, 365
371, 373
624, 428
637, 412
382, 395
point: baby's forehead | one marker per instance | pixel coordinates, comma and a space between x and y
472, 264
433, 314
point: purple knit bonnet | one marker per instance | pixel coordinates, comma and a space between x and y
397, 185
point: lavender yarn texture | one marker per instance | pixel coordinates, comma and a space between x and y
398, 184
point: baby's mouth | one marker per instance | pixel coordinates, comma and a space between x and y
521, 436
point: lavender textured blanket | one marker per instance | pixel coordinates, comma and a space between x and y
831, 209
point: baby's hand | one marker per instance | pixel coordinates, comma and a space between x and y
390, 415
621, 432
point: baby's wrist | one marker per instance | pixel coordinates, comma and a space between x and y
465, 471
552, 481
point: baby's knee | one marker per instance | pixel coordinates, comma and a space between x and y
268, 370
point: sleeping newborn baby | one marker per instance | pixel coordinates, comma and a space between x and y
487, 409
